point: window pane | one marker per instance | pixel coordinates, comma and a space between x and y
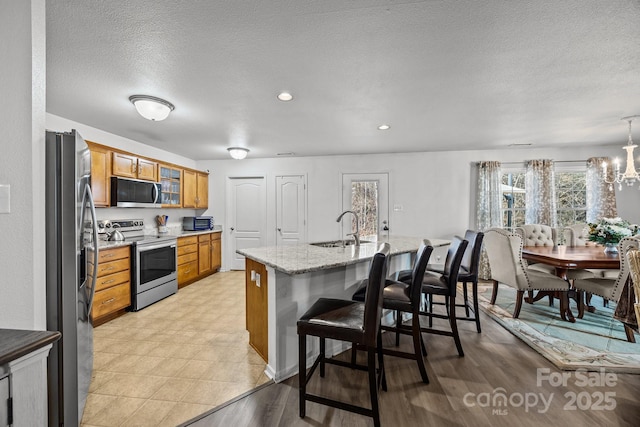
364, 201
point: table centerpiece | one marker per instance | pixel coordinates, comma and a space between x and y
609, 232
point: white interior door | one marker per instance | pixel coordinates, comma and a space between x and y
291, 212
247, 217
368, 195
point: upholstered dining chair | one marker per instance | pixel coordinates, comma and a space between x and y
504, 250
445, 285
578, 235
607, 288
468, 275
403, 298
538, 235
633, 257
352, 321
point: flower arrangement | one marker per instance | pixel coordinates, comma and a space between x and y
609, 231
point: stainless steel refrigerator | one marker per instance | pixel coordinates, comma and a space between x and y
71, 229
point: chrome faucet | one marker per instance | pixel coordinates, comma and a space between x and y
356, 234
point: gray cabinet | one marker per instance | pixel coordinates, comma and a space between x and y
4, 402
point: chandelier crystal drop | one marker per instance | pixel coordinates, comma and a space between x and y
630, 175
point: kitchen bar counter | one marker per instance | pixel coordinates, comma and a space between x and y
15, 343
283, 282
307, 258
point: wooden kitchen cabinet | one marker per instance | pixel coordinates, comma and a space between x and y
195, 189
113, 285
257, 307
198, 256
100, 167
216, 251
171, 180
187, 260
129, 166
204, 254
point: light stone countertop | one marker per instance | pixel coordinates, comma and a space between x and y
305, 258
106, 244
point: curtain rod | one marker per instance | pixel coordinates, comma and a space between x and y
555, 161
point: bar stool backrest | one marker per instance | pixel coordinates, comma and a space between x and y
373, 296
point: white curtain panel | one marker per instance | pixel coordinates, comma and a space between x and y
540, 198
489, 209
601, 197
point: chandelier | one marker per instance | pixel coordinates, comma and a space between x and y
630, 175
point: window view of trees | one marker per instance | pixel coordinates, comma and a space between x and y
364, 202
571, 198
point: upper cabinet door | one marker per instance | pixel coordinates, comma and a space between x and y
190, 189
124, 165
133, 167
100, 168
202, 180
147, 170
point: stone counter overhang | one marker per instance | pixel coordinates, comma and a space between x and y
305, 258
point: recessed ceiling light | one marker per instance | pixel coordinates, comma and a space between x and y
285, 96
384, 127
520, 144
288, 153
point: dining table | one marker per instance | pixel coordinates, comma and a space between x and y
565, 258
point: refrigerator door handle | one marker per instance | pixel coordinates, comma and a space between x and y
94, 222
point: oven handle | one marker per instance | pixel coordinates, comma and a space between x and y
145, 248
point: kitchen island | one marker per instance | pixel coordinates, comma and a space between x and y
282, 282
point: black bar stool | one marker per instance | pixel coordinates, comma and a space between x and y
350, 321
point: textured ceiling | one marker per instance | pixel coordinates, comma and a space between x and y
446, 75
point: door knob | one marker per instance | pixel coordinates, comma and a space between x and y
280, 230
232, 228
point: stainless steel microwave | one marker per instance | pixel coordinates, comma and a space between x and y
135, 193
195, 223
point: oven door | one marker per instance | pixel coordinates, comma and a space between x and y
156, 264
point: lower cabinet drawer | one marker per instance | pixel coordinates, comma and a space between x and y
187, 271
183, 259
109, 280
187, 249
111, 300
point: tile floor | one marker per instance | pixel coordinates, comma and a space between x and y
174, 359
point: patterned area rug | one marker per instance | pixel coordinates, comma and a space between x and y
593, 342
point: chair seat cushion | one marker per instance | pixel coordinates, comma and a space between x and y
395, 295
334, 318
545, 268
598, 286
546, 282
579, 273
435, 284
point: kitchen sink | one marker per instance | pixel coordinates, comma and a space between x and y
337, 243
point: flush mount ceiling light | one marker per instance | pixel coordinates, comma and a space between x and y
238, 153
384, 127
285, 96
152, 108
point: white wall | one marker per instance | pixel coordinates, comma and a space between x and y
435, 189
22, 109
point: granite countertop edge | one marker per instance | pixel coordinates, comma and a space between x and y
15, 343
327, 258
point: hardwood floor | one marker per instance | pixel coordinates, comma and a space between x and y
461, 390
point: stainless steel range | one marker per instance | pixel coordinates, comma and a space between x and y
154, 260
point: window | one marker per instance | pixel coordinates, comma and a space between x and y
364, 201
513, 199
571, 196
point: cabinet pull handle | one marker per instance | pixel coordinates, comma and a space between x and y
106, 282
111, 267
108, 255
188, 271
108, 301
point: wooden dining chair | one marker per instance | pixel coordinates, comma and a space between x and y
504, 250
